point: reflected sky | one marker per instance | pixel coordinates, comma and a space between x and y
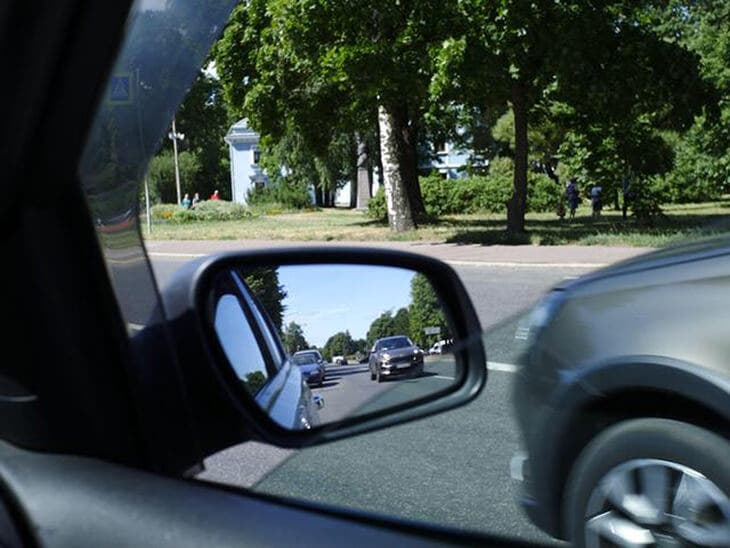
326, 299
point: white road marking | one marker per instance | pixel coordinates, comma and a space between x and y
526, 265
504, 367
176, 255
443, 377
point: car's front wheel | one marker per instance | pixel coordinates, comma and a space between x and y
650, 482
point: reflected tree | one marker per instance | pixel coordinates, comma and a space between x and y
294, 338
425, 312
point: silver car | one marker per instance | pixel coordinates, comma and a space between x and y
623, 400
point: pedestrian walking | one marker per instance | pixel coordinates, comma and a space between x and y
596, 200
196, 200
626, 191
186, 201
571, 192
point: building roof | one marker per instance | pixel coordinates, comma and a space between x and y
241, 133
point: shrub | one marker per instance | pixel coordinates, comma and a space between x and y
377, 208
220, 210
435, 192
163, 212
210, 210
543, 194
289, 194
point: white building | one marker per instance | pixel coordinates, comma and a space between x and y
246, 173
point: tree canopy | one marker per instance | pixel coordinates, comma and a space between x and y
598, 92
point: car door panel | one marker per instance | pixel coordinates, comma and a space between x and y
77, 501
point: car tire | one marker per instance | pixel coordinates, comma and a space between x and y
627, 480
372, 375
378, 375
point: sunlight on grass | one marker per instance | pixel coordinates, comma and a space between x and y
679, 222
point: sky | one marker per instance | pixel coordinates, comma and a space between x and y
326, 299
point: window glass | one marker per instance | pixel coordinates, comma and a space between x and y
239, 343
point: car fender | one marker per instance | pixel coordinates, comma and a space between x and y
557, 433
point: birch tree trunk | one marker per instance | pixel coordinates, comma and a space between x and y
400, 216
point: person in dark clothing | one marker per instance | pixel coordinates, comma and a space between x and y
571, 192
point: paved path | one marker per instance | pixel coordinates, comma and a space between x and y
494, 255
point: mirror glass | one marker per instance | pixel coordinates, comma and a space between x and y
318, 343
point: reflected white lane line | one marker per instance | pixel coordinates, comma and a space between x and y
503, 367
176, 255
134, 327
491, 366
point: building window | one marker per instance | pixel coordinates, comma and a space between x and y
440, 146
256, 156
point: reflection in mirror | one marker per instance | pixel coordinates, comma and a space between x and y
320, 343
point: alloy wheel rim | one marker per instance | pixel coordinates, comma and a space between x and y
652, 502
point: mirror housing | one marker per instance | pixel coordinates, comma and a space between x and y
226, 417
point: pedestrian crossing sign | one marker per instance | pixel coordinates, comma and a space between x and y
120, 89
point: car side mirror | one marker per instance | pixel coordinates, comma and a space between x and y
249, 312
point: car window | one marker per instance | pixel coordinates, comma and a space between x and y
387, 344
265, 323
239, 342
303, 359
541, 152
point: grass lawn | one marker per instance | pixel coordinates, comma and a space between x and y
679, 222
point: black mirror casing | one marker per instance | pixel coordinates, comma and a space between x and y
225, 415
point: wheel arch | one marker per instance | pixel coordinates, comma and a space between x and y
597, 397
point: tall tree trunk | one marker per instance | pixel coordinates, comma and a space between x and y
364, 175
518, 202
410, 166
392, 153
318, 195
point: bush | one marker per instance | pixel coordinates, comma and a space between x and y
209, 210
163, 212
543, 194
435, 192
220, 210
479, 193
377, 208
286, 194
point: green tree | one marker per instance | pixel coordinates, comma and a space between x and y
323, 68
293, 338
702, 164
605, 61
401, 322
339, 344
204, 119
426, 311
382, 326
161, 175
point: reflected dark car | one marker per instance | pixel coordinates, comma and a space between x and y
395, 355
623, 400
311, 365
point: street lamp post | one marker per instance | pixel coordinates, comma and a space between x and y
175, 137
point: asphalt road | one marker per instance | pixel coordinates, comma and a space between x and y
451, 469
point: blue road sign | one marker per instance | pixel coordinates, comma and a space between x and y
120, 89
